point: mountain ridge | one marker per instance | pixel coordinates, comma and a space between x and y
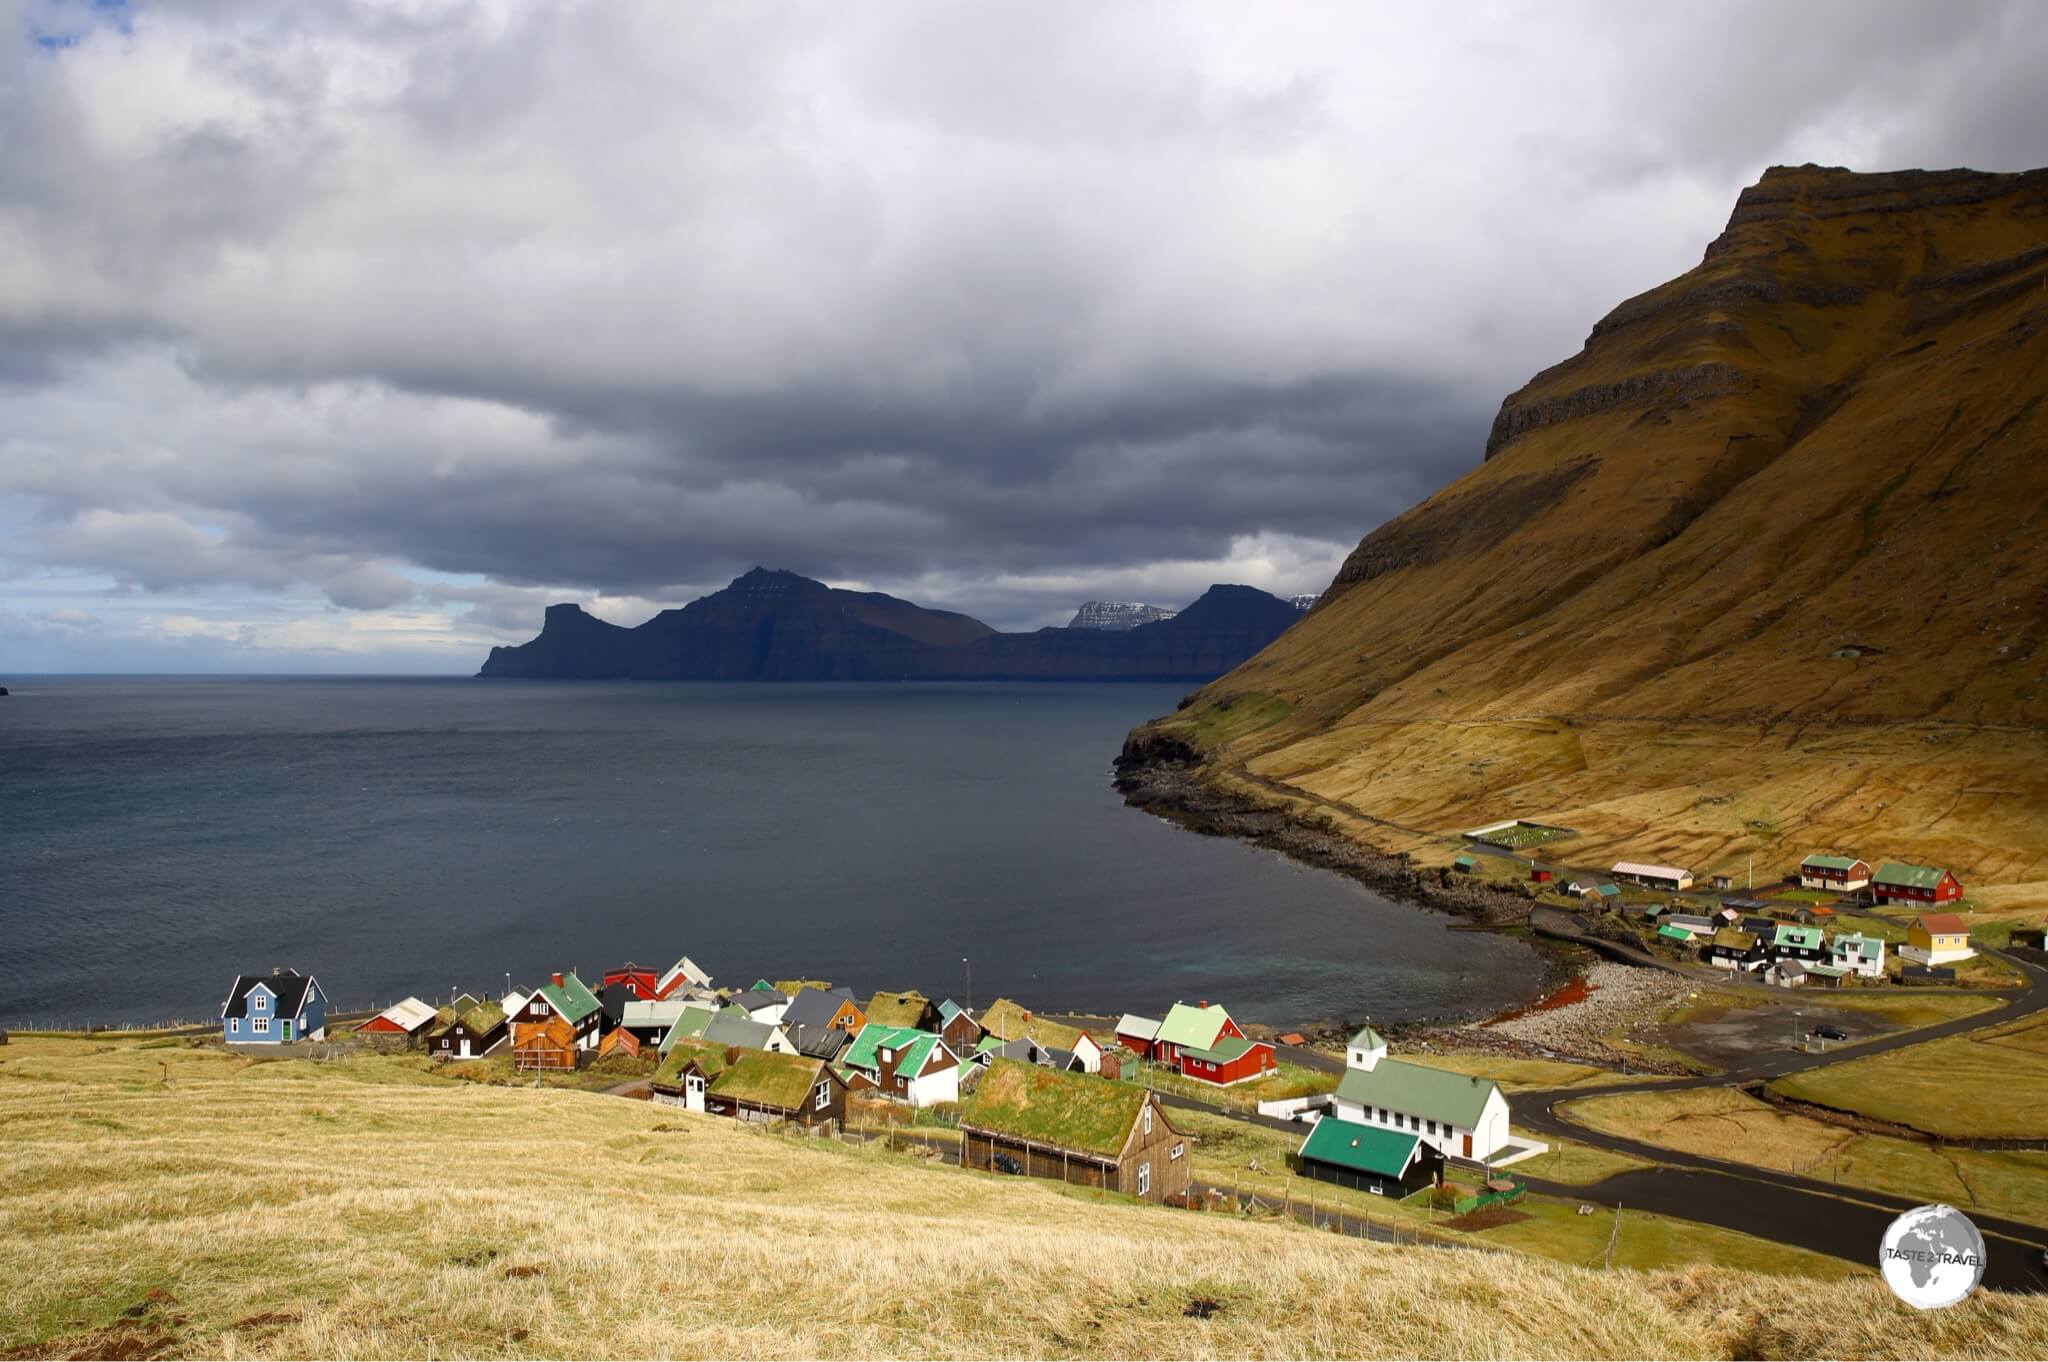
1756, 568
774, 625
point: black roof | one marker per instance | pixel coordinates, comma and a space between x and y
813, 1007
820, 1042
288, 984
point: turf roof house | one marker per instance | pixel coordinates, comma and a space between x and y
476, 1032
1368, 1158
1026, 1118
274, 1009
1460, 1116
1898, 882
911, 1009
898, 1062
1833, 872
559, 1023
1733, 948
685, 1074
761, 1087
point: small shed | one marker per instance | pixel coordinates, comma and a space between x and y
1465, 862
407, 1017
1368, 1158
620, 1041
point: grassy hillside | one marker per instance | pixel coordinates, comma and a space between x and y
164, 1200
1758, 571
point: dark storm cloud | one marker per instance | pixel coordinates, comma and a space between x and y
460, 306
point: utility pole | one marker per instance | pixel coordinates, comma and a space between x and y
970, 981
1613, 1235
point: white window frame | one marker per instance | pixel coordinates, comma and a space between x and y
822, 1097
260, 1026
1148, 1121
1175, 1152
1144, 1178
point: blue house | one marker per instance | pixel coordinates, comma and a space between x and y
274, 1009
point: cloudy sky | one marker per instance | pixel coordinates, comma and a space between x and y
345, 336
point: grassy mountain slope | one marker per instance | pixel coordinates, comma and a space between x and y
227, 1206
1758, 571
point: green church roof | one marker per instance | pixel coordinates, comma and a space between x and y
1418, 1090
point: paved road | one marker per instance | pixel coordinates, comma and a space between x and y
1786, 1207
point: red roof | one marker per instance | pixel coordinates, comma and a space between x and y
1944, 923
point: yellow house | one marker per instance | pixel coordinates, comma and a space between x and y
1937, 938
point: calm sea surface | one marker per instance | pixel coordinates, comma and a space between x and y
413, 836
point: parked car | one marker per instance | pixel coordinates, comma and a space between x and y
1830, 1031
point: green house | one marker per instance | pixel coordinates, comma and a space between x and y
1368, 1158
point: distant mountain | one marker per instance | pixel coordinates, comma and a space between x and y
778, 626
1304, 603
1118, 615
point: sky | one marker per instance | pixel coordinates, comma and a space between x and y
344, 337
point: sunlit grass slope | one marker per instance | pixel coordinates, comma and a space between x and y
283, 1208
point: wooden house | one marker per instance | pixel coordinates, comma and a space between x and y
1937, 939
1231, 1060
1197, 1027
1733, 948
758, 1086
1857, 954
734, 1029
274, 1009
911, 1009
1368, 1158
961, 1031
904, 1064
651, 1019
815, 1010
1087, 1054
1087, 1131
686, 1072
1898, 882
472, 1034
560, 1023
641, 983
1007, 1020
1808, 944
1539, 875
683, 974
619, 1040
1844, 873
409, 1017
1139, 1035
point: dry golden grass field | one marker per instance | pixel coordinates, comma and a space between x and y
165, 1200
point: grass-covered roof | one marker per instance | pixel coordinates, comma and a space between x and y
768, 1080
1071, 1111
709, 1058
1010, 1021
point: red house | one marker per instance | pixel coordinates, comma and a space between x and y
641, 983
1201, 1027
1897, 882
1542, 876
1232, 1059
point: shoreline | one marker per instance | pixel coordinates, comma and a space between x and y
1155, 776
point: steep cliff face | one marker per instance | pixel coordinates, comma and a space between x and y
778, 626
1761, 566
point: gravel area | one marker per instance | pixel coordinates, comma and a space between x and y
1622, 997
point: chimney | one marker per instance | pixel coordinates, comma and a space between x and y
1203, 1003
277, 971
1027, 1016
558, 979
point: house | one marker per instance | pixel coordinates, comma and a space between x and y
1733, 948
1762, 928
1815, 914
778, 1087
408, 1017
1833, 872
1008, 1021
812, 1011
1898, 882
643, 984
961, 1031
684, 973
619, 1040
1676, 935
651, 1020
1087, 1054
1023, 1049
911, 1066
1654, 876
1368, 1158
1858, 954
733, 1027
1232, 1059
1465, 863
274, 1009
1087, 1131
1808, 944
1598, 894
560, 1022
1693, 924
1539, 875
911, 1009
612, 1000
763, 1002
685, 1073
1198, 1027
479, 1031
689, 1025
1137, 1034
1825, 976
1460, 1116
1788, 972
1937, 938
1723, 881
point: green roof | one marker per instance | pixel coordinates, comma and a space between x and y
1081, 1112
1855, 943
484, 1017
1806, 937
896, 1009
1192, 1028
1363, 1149
1466, 860
1827, 862
573, 998
688, 1024
1418, 1090
1913, 876
1368, 1039
1607, 891
872, 1039
910, 1059
768, 1080
1226, 1049
710, 1058
1674, 933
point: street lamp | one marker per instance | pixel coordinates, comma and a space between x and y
969, 965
